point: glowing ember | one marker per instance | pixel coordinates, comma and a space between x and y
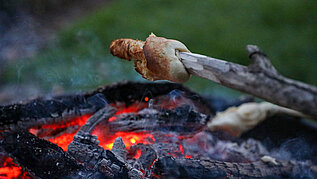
181, 148
112, 119
143, 173
133, 140
62, 134
66, 138
153, 163
109, 146
130, 109
138, 154
77, 121
129, 138
63, 141
11, 170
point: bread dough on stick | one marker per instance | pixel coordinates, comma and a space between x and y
237, 120
154, 59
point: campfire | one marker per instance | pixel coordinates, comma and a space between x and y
147, 130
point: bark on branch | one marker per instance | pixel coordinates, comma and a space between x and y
260, 79
279, 89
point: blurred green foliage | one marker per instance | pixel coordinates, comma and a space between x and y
286, 30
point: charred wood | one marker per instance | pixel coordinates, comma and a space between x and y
130, 92
85, 149
103, 114
58, 108
119, 148
169, 167
148, 155
40, 157
182, 119
41, 111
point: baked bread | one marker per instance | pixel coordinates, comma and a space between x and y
162, 59
154, 59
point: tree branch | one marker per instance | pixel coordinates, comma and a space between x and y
260, 79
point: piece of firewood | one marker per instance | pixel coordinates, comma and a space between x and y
167, 167
102, 114
39, 157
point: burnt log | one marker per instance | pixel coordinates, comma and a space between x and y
47, 111
182, 119
130, 92
169, 167
41, 158
103, 114
85, 149
54, 109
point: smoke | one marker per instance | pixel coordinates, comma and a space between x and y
293, 149
177, 98
19, 36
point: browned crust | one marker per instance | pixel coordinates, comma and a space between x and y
155, 59
156, 63
132, 49
140, 67
127, 49
162, 60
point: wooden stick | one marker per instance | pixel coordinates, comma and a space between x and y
260, 79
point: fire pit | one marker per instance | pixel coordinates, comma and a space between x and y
147, 130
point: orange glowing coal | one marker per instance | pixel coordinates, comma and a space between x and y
130, 109
138, 154
60, 134
129, 139
66, 138
11, 170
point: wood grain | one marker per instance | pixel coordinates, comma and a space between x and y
260, 79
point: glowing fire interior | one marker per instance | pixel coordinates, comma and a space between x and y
11, 170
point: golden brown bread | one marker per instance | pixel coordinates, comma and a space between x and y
155, 59
162, 60
127, 49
